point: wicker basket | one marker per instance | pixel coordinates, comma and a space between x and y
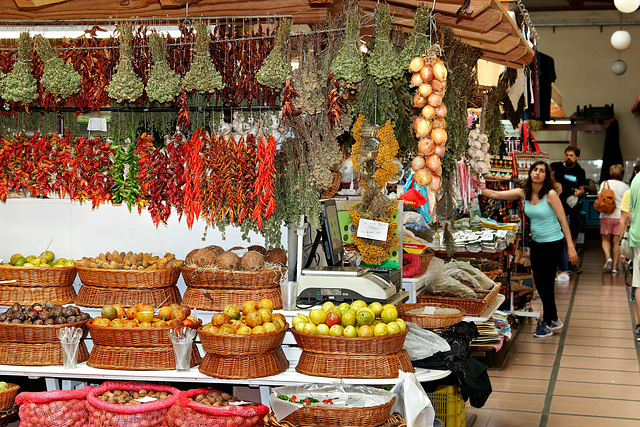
394, 420
136, 279
159, 358
425, 259
386, 344
37, 354
228, 279
328, 193
241, 345
429, 321
28, 295
38, 276
360, 366
245, 367
93, 296
38, 334
322, 416
471, 307
131, 337
9, 416
8, 396
195, 298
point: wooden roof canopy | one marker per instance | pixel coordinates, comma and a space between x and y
484, 24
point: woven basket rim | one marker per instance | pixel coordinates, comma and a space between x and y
138, 328
117, 270
38, 268
355, 340
243, 336
10, 387
221, 271
42, 327
404, 308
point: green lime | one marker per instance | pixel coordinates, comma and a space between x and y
14, 257
20, 261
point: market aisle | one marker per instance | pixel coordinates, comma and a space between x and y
586, 375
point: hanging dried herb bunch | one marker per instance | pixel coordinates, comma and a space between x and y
125, 85
202, 76
348, 64
20, 85
58, 78
164, 83
384, 62
307, 82
276, 70
418, 42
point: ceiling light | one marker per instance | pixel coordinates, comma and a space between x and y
626, 6
619, 67
621, 40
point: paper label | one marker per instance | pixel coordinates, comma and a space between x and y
429, 310
146, 399
376, 230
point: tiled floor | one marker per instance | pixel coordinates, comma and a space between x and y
587, 374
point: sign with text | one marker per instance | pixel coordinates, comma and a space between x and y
376, 230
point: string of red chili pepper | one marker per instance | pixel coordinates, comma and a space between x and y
41, 150
241, 190
145, 153
264, 187
336, 103
6, 171
192, 191
176, 152
269, 177
250, 172
222, 170
208, 179
184, 116
91, 166
288, 95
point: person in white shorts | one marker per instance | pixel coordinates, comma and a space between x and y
610, 223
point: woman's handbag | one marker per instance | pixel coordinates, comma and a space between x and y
625, 247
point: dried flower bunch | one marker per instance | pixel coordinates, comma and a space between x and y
164, 83
202, 76
418, 42
20, 85
125, 85
58, 78
348, 64
276, 70
384, 62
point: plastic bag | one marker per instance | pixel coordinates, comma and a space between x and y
150, 414
412, 402
422, 343
186, 412
61, 408
416, 223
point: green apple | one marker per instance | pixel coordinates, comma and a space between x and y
3, 385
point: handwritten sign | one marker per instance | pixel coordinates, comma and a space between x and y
376, 230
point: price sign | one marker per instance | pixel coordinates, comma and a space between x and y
376, 230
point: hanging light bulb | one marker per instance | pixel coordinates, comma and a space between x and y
626, 6
619, 67
621, 40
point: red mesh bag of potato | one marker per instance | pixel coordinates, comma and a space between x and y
150, 414
61, 408
188, 412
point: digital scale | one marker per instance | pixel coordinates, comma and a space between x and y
346, 284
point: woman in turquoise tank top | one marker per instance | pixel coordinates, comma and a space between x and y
550, 233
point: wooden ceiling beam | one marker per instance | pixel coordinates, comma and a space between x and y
483, 22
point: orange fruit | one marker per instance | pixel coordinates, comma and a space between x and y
103, 322
96, 320
131, 313
140, 306
144, 316
258, 330
177, 314
226, 329
253, 319
145, 324
266, 303
188, 322
265, 314
119, 310
249, 307
164, 313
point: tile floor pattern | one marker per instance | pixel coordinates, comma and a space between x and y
586, 374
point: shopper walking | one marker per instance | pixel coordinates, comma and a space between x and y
610, 223
629, 215
550, 233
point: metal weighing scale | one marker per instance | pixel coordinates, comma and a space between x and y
346, 284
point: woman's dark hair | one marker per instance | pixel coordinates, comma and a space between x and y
547, 184
636, 166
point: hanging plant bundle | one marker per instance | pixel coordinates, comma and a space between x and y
418, 42
384, 62
58, 78
164, 83
202, 75
348, 64
125, 84
20, 85
430, 77
276, 70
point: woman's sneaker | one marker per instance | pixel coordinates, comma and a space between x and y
608, 265
556, 324
542, 331
562, 277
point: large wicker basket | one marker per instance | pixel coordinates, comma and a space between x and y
374, 346
430, 321
160, 358
197, 298
241, 345
95, 296
245, 367
131, 337
470, 306
35, 334
38, 276
354, 366
394, 420
37, 354
27, 295
232, 279
8, 396
326, 415
136, 279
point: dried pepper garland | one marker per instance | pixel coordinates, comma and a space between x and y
383, 63
202, 76
348, 64
164, 83
276, 69
418, 42
264, 187
20, 85
58, 78
125, 85
192, 171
